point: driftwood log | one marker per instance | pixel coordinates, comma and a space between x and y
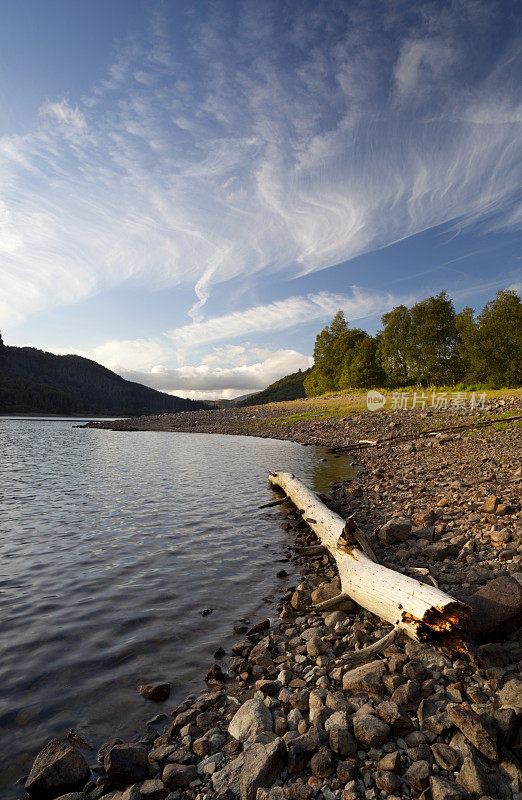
421, 611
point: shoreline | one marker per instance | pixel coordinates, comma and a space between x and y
382, 742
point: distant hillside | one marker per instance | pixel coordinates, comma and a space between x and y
288, 388
33, 381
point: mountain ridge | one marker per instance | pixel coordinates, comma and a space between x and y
35, 381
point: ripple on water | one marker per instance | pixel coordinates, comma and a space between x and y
110, 547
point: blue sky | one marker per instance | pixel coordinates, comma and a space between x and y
189, 191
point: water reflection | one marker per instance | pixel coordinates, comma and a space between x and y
111, 545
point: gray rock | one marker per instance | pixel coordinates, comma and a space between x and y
395, 530
178, 775
155, 691
132, 792
339, 614
341, 739
511, 694
393, 715
418, 775
251, 718
472, 777
126, 763
475, 729
445, 756
443, 789
391, 762
369, 730
228, 777
387, 782
321, 763
72, 796
262, 765
366, 678
56, 770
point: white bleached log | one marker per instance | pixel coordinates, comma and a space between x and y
423, 612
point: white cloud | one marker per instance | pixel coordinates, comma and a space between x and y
205, 381
64, 114
201, 165
284, 314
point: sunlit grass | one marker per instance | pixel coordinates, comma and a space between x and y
348, 403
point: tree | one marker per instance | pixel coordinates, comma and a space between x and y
396, 345
498, 354
433, 341
467, 345
328, 356
366, 368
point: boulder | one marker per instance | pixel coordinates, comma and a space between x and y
472, 777
228, 777
475, 729
56, 770
395, 530
511, 694
370, 731
126, 763
262, 765
155, 691
178, 775
443, 789
366, 678
251, 718
496, 609
418, 775
341, 739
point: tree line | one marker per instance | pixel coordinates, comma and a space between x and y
33, 381
427, 344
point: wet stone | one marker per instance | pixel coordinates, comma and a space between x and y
155, 691
126, 763
57, 769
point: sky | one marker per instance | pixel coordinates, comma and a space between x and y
189, 191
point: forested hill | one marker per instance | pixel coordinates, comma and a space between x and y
288, 388
33, 381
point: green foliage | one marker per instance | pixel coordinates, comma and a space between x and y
498, 351
427, 344
396, 345
32, 381
434, 342
366, 368
291, 387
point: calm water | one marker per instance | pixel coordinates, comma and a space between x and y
111, 546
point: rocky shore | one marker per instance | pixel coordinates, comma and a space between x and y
282, 717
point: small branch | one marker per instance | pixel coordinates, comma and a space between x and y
333, 602
275, 502
312, 550
366, 653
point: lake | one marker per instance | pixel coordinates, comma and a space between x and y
111, 546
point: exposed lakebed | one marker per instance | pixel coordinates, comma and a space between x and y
125, 558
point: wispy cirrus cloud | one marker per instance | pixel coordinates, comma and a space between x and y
283, 314
354, 126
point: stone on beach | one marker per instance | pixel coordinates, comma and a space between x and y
262, 765
126, 763
251, 718
56, 770
366, 678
